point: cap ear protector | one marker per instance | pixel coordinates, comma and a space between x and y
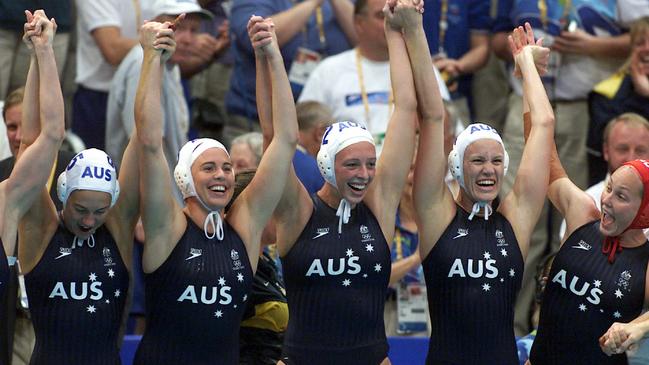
470, 134
336, 137
90, 169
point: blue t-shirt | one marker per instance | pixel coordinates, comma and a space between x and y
462, 17
240, 100
12, 13
306, 169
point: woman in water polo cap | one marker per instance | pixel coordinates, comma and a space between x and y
199, 266
335, 255
43, 130
75, 261
472, 255
597, 286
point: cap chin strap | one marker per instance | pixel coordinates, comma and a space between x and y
476, 209
344, 212
79, 242
217, 225
610, 247
210, 220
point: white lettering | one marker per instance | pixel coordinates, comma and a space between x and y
457, 269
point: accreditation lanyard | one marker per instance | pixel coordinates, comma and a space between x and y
443, 26
364, 97
319, 21
138, 15
398, 239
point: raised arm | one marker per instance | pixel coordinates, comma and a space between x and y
385, 192
259, 34
523, 206
433, 200
292, 21
253, 208
344, 11
33, 167
27, 193
162, 217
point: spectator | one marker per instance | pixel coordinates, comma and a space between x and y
306, 32
458, 37
14, 55
120, 117
246, 151
106, 32
588, 41
312, 119
208, 87
625, 91
360, 90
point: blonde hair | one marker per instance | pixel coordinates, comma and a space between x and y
14, 98
630, 119
639, 28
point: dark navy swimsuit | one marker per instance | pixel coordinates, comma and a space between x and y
195, 301
584, 295
473, 274
336, 288
76, 300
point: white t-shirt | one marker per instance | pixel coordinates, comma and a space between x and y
93, 71
335, 83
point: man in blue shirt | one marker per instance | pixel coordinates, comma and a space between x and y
458, 38
306, 31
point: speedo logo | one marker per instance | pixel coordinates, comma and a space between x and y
321, 232
63, 251
461, 232
582, 245
194, 253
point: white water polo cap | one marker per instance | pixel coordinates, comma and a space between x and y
336, 137
90, 169
186, 157
183, 176
470, 134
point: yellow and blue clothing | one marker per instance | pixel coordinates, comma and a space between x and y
265, 318
610, 98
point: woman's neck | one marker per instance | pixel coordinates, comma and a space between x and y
632, 238
197, 212
331, 196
